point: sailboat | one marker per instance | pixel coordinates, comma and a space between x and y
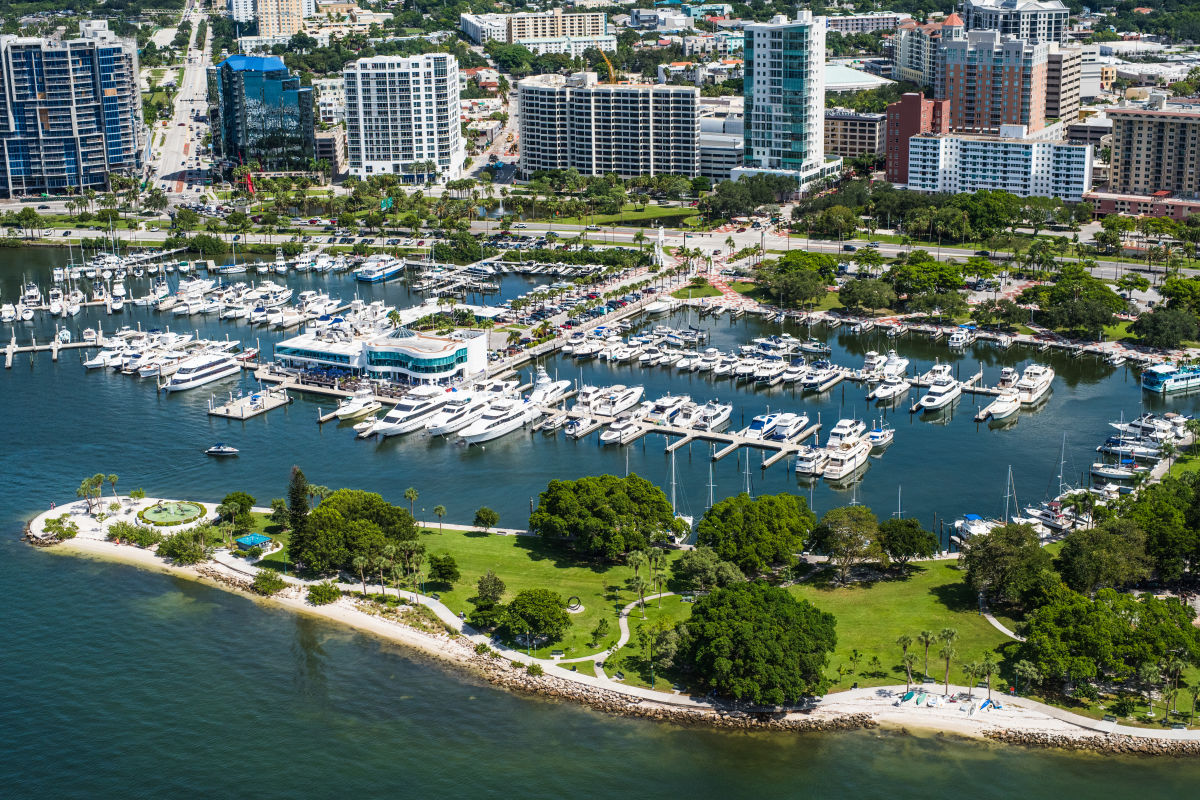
683, 517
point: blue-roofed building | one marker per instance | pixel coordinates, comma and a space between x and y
70, 111
252, 540
260, 112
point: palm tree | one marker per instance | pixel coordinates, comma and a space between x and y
439, 512
658, 560
637, 559
380, 563
926, 638
971, 670
640, 585
987, 668
905, 641
111, 480
909, 661
947, 652
361, 564
411, 495
1193, 428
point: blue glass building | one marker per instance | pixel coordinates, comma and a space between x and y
260, 112
70, 112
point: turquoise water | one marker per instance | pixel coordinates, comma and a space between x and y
124, 683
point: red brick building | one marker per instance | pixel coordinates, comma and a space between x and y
910, 115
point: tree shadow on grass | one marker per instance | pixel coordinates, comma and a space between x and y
956, 596
540, 549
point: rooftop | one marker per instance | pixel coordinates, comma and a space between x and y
241, 63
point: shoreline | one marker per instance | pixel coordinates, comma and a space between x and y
1019, 721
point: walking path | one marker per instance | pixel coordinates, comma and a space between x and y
1016, 714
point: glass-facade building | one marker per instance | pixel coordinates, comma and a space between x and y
70, 112
260, 112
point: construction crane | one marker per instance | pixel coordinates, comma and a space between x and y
612, 73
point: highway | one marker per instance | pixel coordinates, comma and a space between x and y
176, 162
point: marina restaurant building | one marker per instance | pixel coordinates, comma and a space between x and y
401, 355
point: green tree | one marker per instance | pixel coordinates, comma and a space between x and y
280, 516
701, 569
297, 501
755, 534
758, 643
905, 539
1165, 327
268, 582
439, 511
443, 569
603, 516
324, 593
926, 640
1004, 562
849, 536
411, 495
1110, 555
538, 613
486, 519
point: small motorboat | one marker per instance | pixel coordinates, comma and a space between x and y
881, 435
220, 449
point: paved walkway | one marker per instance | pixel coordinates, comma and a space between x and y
998, 625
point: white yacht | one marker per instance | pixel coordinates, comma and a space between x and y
770, 372
359, 404
811, 460
873, 362
961, 337
795, 371
881, 435
547, 391
666, 408
725, 366
1008, 378
713, 416
708, 360
761, 427
942, 393
747, 368
788, 426
890, 388
1005, 405
617, 399
844, 460
413, 411
465, 408
937, 372
623, 431
895, 364
1034, 383
846, 431
202, 369
501, 417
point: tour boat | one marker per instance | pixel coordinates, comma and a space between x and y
1166, 378
378, 268
202, 369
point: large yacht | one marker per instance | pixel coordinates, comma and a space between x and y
847, 458
359, 404
461, 411
713, 416
811, 460
1034, 383
788, 426
202, 369
942, 392
1165, 378
761, 427
412, 412
379, 268
846, 431
546, 390
501, 417
666, 407
623, 431
617, 399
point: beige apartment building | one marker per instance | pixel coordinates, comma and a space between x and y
1156, 149
1064, 72
554, 24
279, 17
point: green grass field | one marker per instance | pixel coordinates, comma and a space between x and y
631, 213
526, 562
631, 659
692, 292
871, 618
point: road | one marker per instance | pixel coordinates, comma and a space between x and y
176, 161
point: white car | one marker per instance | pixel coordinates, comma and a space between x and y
520, 225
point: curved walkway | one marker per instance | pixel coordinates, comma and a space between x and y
998, 625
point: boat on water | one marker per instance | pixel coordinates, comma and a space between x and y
873, 363
502, 417
462, 410
811, 460
788, 426
712, 416
201, 370
1151, 426
579, 427
846, 431
942, 393
962, 337
1034, 383
1115, 359
973, 525
890, 388
1125, 470
623, 431
378, 268
617, 399
761, 427
546, 390
657, 307
1143, 449
219, 449
412, 411
881, 435
1007, 403
666, 408
846, 459
811, 345
895, 364
359, 404
1168, 378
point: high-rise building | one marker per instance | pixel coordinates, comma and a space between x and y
512, 28
784, 87
909, 116
279, 17
954, 163
914, 52
866, 23
990, 80
70, 111
1035, 21
402, 117
260, 112
240, 10
629, 129
851, 133
1064, 74
1156, 149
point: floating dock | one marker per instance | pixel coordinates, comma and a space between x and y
250, 405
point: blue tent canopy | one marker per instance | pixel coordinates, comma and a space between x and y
252, 540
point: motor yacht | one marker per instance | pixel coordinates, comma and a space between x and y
666, 408
1007, 403
501, 417
412, 411
617, 399
761, 427
811, 460
359, 404
747, 368
795, 371
464, 409
1034, 383
708, 360
844, 460
820, 377
770, 372
546, 390
846, 431
788, 426
873, 362
894, 364
725, 366
942, 393
890, 388
962, 337
713, 416
1008, 378
623, 431
201, 370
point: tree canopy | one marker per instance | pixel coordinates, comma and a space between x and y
603, 516
755, 642
756, 534
350, 523
1004, 562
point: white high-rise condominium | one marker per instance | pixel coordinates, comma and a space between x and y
402, 117
240, 10
1035, 21
785, 98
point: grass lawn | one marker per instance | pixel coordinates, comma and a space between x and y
1118, 332
751, 290
526, 562
279, 559
872, 616
1185, 463
692, 292
631, 213
630, 659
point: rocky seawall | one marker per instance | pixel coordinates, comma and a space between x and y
1099, 743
